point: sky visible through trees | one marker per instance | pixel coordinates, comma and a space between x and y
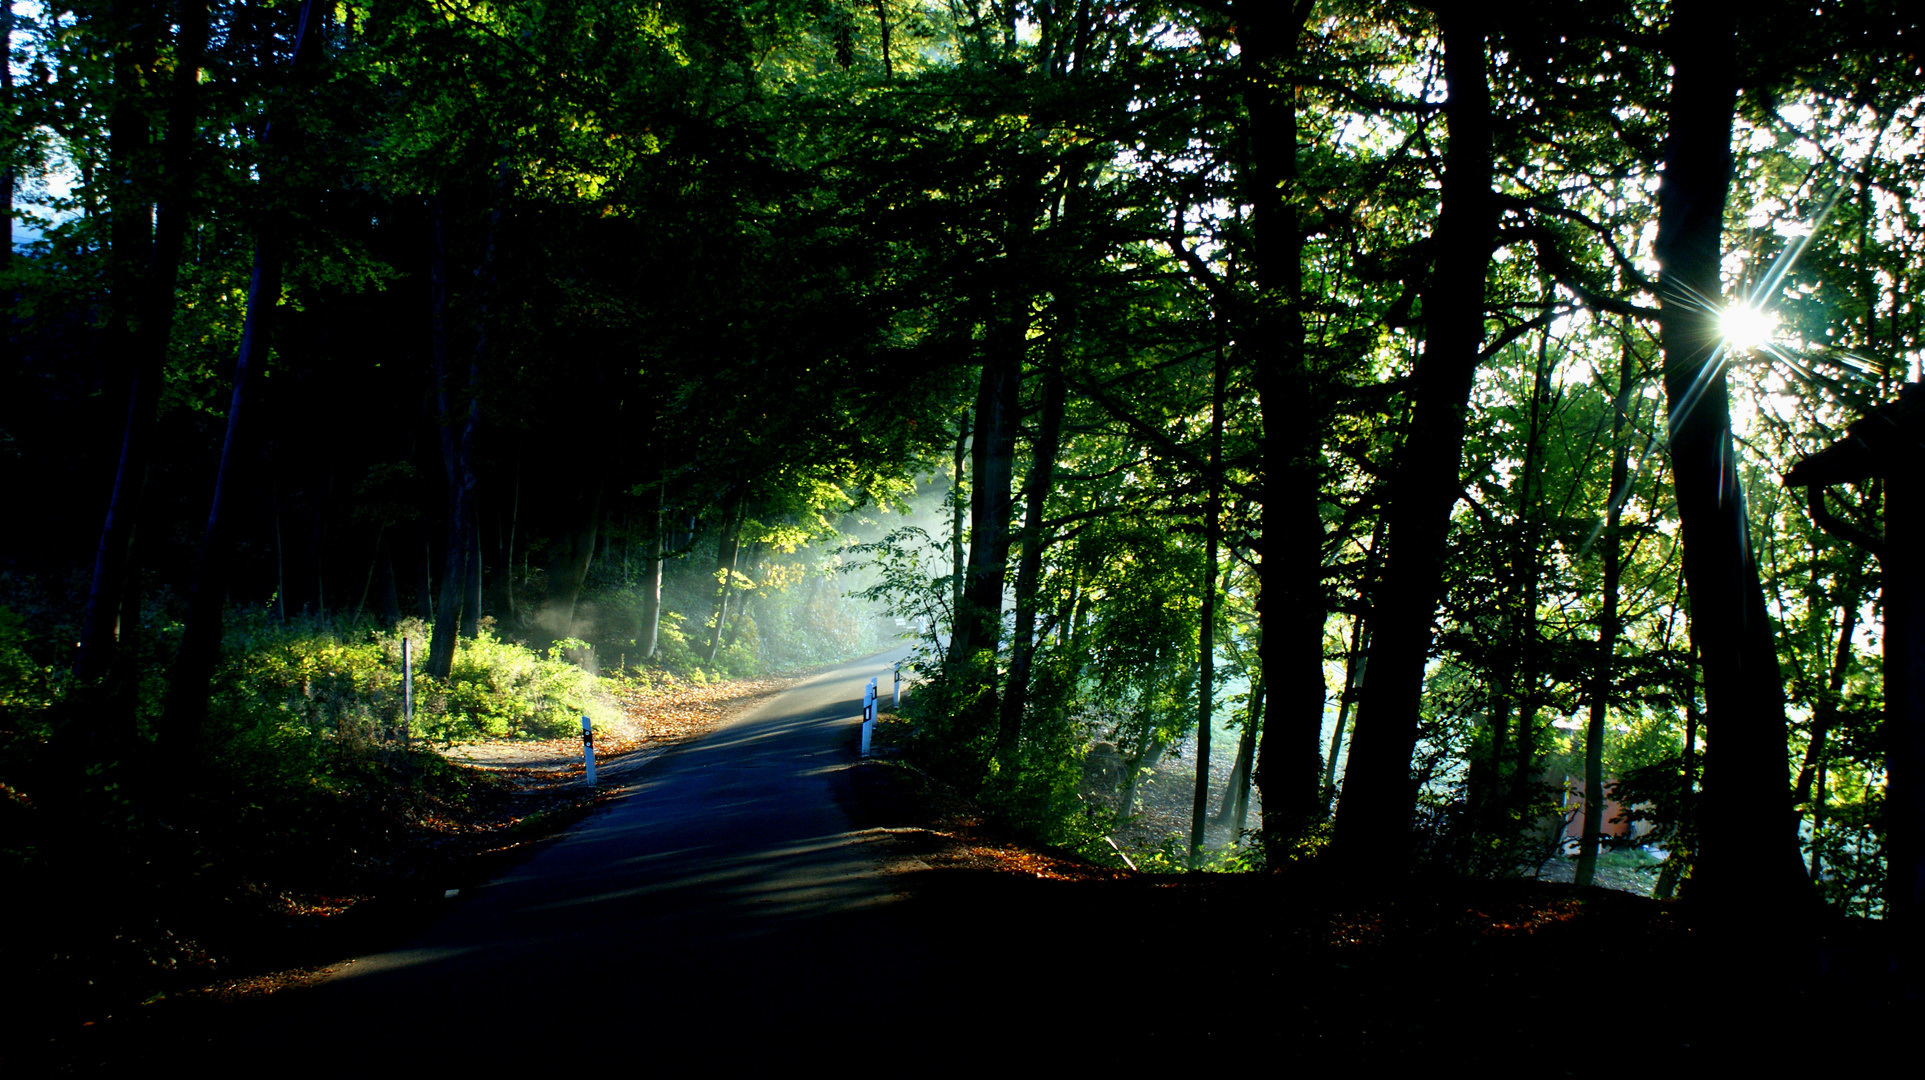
1404, 390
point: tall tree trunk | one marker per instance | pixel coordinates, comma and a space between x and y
1903, 730
587, 537
460, 415
1022, 651
1374, 816
1749, 864
1603, 677
992, 461
652, 577
957, 494
1291, 605
1206, 630
882, 25
148, 297
185, 709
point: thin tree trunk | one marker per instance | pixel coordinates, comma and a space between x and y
882, 24
457, 435
1356, 666
1236, 794
147, 341
1206, 631
1603, 678
1825, 712
1353, 681
1527, 572
958, 493
1374, 816
424, 576
1042, 480
374, 571
189, 682
652, 578
749, 596
581, 553
728, 549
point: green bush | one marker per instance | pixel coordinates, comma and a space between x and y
310, 680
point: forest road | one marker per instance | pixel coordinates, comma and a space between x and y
723, 903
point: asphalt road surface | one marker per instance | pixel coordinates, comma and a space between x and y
723, 905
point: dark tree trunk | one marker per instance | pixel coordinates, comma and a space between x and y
1291, 606
1748, 860
992, 461
1042, 480
579, 554
423, 574
460, 415
1374, 816
1206, 629
148, 297
1903, 729
189, 682
882, 24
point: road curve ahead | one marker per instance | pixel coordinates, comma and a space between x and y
723, 904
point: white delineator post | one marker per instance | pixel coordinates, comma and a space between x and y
898, 702
588, 747
868, 715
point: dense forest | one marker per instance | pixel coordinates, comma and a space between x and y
1376, 376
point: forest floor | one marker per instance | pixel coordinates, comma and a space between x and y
1573, 981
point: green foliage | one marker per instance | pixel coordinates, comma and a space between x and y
310, 681
25, 686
